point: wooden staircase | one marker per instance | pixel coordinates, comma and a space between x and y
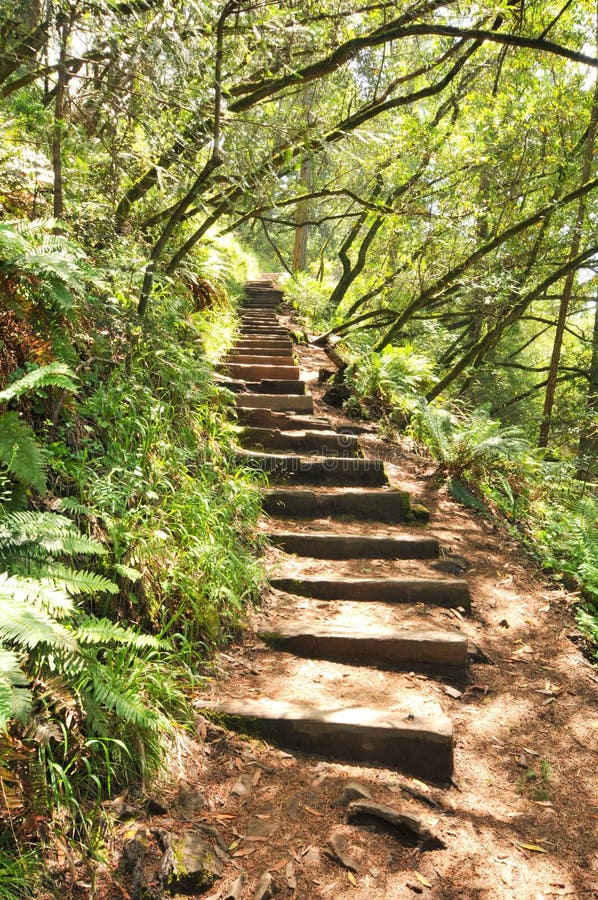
317, 472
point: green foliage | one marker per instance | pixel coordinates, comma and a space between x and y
48, 268
543, 500
391, 380
157, 467
20, 453
468, 446
20, 874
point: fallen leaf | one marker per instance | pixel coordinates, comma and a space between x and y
314, 812
422, 880
246, 852
279, 865
535, 847
352, 878
421, 785
290, 876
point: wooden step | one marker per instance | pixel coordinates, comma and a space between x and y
417, 745
267, 418
258, 360
281, 402
444, 651
434, 591
265, 386
320, 442
389, 505
319, 470
277, 386
323, 545
251, 372
264, 344
267, 331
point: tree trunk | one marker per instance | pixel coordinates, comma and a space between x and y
586, 171
64, 29
588, 441
299, 263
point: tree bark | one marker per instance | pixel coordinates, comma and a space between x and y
65, 25
588, 441
586, 171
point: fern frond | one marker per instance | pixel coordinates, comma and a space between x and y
111, 693
69, 504
75, 581
44, 594
15, 698
20, 452
55, 374
54, 533
102, 631
27, 626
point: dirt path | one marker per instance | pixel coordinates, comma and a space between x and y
516, 818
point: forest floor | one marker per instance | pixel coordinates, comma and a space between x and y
520, 817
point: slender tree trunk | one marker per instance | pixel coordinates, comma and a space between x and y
588, 442
64, 29
299, 263
586, 171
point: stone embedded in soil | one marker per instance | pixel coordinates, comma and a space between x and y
266, 887
352, 791
195, 866
189, 800
261, 828
417, 745
388, 505
323, 545
405, 828
155, 808
375, 646
243, 787
437, 592
336, 849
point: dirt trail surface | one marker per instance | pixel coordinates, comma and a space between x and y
517, 817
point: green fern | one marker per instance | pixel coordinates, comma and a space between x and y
49, 267
15, 697
20, 453
468, 445
55, 374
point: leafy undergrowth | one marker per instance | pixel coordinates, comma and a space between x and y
127, 545
493, 469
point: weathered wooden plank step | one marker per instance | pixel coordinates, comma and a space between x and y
324, 545
264, 344
321, 442
255, 359
251, 372
267, 418
277, 386
263, 331
444, 651
389, 505
435, 591
265, 386
417, 745
260, 320
281, 402
328, 469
